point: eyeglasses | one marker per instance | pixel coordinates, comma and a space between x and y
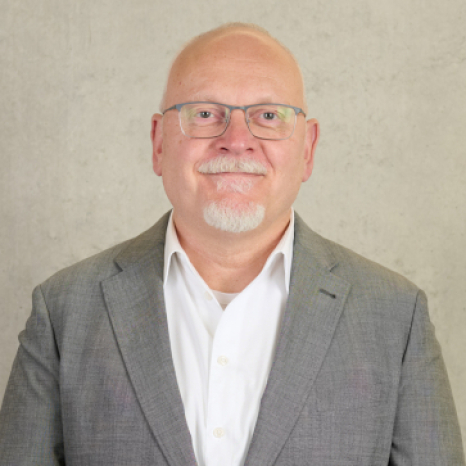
210, 120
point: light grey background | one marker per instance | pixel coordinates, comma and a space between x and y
79, 81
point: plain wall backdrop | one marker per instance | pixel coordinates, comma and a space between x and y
79, 81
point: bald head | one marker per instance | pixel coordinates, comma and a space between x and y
242, 44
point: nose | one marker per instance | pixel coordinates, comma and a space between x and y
237, 139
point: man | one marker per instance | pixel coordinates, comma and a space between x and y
230, 333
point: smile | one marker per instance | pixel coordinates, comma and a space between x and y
236, 182
232, 165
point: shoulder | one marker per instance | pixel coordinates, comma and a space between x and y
365, 276
86, 275
377, 301
90, 270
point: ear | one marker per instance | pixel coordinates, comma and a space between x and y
312, 137
156, 135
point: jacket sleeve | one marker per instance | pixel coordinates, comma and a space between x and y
30, 420
426, 430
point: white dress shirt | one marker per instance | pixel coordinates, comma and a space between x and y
222, 346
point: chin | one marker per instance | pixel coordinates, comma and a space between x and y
234, 218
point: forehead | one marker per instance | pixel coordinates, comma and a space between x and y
244, 67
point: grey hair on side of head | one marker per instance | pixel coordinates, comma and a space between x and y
225, 28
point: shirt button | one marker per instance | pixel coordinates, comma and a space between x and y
222, 360
208, 296
219, 432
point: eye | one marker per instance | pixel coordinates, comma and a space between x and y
269, 116
266, 114
205, 114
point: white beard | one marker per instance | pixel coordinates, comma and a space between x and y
222, 216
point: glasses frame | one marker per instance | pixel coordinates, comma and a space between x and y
178, 107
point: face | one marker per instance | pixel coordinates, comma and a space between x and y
239, 68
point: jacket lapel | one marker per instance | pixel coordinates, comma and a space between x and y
137, 311
314, 306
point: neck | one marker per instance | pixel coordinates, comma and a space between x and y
228, 262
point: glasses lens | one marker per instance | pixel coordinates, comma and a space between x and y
203, 120
271, 121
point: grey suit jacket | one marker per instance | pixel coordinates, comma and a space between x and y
357, 378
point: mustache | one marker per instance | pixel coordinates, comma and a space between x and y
226, 164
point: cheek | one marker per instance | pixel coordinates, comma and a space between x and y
179, 166
187, 154
289, 160
291, 173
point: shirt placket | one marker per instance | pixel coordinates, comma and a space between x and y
220, 437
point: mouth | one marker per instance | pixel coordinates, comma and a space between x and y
230, 166
234, 175
235, 182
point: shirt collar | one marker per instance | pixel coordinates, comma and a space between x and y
172, 245
284, 247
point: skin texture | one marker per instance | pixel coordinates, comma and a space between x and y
236, 67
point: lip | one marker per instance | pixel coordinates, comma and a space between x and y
236, 183
229, 166
234, 174
232, 177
